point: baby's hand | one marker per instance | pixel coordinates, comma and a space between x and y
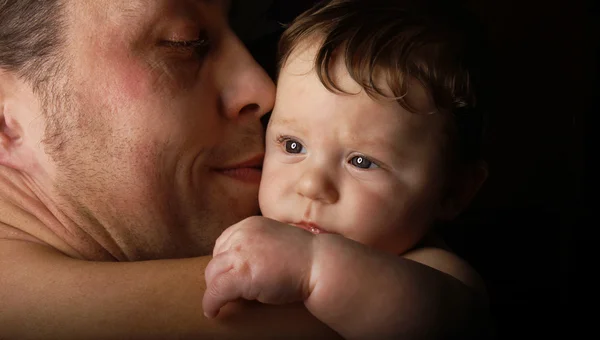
259, 259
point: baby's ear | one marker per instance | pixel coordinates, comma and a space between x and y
463, 187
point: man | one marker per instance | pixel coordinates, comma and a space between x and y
130, 138
129, 131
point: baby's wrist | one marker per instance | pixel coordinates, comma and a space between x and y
323, 264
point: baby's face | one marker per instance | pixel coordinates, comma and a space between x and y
347, 164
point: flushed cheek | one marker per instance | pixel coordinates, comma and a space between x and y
131, 80
143, 107
120, 71
134, 82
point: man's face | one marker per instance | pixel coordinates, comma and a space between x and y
348, 164
158, 126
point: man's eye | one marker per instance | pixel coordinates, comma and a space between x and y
294, 147
199, 47
363, 162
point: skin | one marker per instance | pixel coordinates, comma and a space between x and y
155, 136
362, 179
351, 165
137, 155
428, 293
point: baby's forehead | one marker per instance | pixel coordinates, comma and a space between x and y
377, 80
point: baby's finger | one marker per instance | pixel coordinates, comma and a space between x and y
219, 264
223, 285
222, 241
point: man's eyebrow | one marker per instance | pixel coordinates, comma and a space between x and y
131, 8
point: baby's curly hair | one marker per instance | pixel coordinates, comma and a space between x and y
435, 42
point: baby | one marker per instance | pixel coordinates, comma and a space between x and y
373, 139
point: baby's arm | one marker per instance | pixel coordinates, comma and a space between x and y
363, 293
47, 295
359, 292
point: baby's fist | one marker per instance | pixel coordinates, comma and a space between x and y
259, 259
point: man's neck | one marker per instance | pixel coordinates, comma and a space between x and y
28, 214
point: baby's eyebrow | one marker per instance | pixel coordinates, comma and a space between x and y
282, 121
285, 122
397, 149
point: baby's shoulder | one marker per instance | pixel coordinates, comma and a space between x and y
435, 253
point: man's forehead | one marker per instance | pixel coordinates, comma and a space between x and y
139, 17
137, 5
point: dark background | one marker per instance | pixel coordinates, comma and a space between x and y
519, 233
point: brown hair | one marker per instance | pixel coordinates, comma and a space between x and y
30, 34
426, 40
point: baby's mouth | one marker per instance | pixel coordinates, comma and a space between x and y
312, 227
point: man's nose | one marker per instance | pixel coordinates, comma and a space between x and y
246, 89
317, 185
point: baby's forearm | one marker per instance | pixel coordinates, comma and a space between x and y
362, 293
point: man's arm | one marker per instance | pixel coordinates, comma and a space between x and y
46, 294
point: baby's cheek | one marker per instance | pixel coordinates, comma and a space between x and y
267, 194
269, 207
371, 211
276, 194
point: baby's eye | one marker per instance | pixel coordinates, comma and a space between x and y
294, 147
363, 162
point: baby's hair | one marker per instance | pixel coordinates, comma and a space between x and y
434, 42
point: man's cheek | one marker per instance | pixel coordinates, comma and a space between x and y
132, 82
118, 72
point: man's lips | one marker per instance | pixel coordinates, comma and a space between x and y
312, 227
249, 170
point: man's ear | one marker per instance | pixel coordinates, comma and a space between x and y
10, 130
462, 188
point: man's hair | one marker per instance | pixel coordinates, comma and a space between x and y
30, 36
434, 42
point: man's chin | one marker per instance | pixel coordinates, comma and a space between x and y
235, 202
